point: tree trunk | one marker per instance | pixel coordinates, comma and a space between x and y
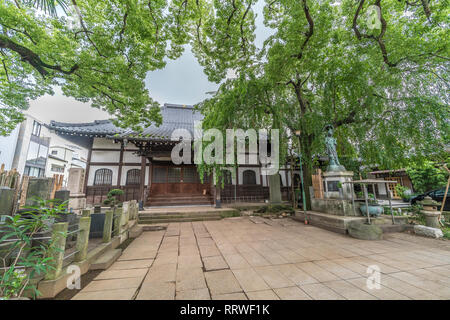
307, 168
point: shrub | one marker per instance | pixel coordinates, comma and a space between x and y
112, 198
24, 258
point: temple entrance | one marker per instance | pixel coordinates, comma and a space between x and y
178, 185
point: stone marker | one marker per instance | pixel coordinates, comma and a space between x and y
75, 185
364, 231
275, 189
6, 201
428, 231
40, 188
61, 196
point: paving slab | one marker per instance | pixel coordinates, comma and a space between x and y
291, 293
132, 264
118, 294
190, 279
112, 284
157, 291
222, 281
121, 274
262, 295
250, 280
197, 294
214, 263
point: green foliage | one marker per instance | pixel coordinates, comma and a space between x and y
22, 258
403, 191
427, 176
383, 90
112, 198
98, 52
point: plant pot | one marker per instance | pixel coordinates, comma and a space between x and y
374, 210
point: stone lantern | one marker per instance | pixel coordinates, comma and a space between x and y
430, 211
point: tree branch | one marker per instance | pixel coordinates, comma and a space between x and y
32, 58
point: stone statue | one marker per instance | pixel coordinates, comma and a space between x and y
330, 144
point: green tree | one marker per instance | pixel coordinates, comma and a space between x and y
427, 176
97, 51
381, 83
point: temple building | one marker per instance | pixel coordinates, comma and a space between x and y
140, 164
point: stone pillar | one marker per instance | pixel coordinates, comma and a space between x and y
86, 212
117, 220
6, 201
58, 241
107, 227
75, 185
275, 189
83, 238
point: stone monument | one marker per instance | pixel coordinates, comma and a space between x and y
75, 184
336, 178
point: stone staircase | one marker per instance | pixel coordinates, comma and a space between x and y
178, 200
183, 214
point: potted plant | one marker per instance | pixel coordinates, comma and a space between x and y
375, 209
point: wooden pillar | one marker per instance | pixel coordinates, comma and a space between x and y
88, 165
142, 184
119, 173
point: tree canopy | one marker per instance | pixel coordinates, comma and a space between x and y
376, 70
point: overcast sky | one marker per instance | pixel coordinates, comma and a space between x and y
182, 81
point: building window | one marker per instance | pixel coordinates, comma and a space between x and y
56, 168
133, 177
226, 176
54, 152
249, 177
34, 172
103, 177
36, 129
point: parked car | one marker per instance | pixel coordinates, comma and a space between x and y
437, 195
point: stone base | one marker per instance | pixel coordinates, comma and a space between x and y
331, 178
428, 231
363, 231
77, 202
336, 207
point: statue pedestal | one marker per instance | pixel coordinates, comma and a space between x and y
333, 180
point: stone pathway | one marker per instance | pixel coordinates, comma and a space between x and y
282, 259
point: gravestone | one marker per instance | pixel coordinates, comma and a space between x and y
38, 188
75, 185
6, 201
275, 189
62, 196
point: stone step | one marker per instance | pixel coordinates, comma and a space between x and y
178, 213
106, 260
178, 216
186, 219
135, 232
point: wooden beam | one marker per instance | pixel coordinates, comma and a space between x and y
88, 165
119, 173
142, 184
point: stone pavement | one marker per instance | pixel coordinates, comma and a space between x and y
237, 258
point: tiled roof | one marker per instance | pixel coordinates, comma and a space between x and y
174, 117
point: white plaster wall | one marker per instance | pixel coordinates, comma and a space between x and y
105, 156
7, 148
241, 174
105, 143
382, 189
92, 169
130, 157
